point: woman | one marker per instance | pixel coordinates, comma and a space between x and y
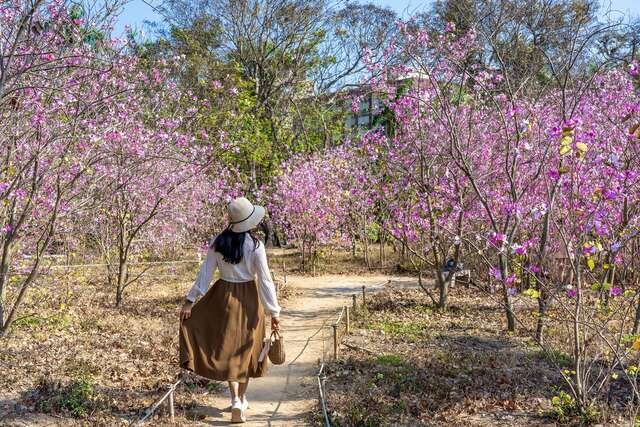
222, 335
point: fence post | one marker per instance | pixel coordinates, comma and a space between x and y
346, 309
354, 302
275, 282
335, 342
284, 270
171, 407
364, 296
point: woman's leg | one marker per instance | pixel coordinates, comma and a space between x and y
237, 407
233, 389
242, 389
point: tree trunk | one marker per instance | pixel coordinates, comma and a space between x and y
636, 321
353, 247
508, 304
609, 279
540, 323
577, 342
4, 274
443, 285
122, 280
275, 237
23, 290
266, 228
381, 248
366, 243
314, 260
254, 175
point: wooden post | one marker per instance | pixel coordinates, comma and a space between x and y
171, 407
335, 342
346, 309
364, 296
354, 302
284, 269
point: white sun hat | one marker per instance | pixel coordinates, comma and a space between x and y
243, 215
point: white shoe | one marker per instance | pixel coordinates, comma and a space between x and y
237, 411
245, 404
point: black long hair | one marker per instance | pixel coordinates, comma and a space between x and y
230, 245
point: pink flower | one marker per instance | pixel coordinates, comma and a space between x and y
535, 269
571, 293
495, 271
20, 193
510, 280
355, 105
496, 239
554, 174
519, 249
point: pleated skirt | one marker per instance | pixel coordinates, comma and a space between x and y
223, 338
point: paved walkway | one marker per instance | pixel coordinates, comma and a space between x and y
289, 392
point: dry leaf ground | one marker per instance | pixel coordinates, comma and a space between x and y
73, 359
406, 364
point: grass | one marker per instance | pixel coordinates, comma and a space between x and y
390, 360
28, 322
60, 321
557, 357
77, 399
409, 329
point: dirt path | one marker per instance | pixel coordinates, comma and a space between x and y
289, 392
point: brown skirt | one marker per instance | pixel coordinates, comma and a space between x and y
223, 338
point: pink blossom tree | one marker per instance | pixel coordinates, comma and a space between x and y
51, 94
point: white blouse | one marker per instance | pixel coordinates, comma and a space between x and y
253, 263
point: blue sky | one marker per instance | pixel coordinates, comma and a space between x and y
136, 12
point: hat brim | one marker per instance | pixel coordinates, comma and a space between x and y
251, 222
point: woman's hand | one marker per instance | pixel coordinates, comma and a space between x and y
185, 311
275, 323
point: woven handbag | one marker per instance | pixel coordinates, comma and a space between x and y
276, 350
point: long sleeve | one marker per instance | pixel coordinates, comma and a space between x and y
266, 287
203, 280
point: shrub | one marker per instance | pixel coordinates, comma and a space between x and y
78, 398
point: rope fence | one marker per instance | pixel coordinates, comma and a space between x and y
322, 378
338, 329
168, 396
